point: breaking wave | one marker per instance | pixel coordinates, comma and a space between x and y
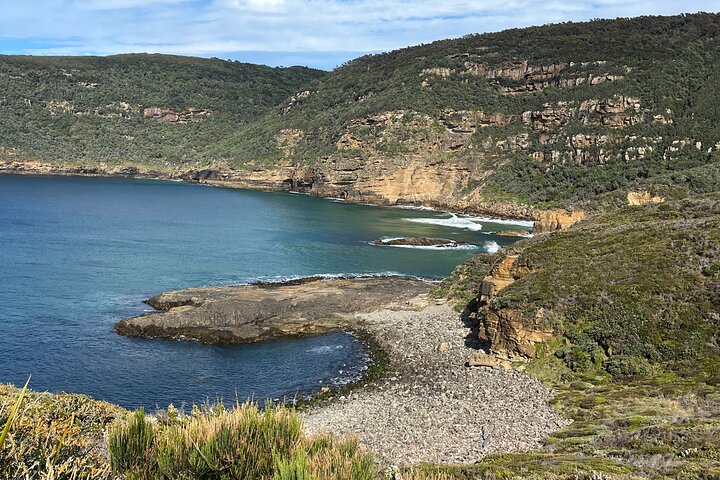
491, 247
454, 221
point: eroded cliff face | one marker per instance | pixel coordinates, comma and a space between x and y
445, 159
507, 331
558, 219
391, 158
643, 198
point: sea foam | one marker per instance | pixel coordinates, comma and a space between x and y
454, 222
491, 247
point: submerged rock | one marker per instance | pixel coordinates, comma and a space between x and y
251, 313
418, 242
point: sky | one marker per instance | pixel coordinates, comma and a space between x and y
316, 33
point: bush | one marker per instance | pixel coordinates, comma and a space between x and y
130, 443
54, 437
627, 366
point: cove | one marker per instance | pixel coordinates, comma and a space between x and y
79, 254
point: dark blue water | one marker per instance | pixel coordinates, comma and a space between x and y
80, 254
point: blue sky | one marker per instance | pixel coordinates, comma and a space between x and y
318, 33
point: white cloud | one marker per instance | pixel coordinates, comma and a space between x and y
122, 4
226, 27
266, 5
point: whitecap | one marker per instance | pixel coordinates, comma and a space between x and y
454, 222
327, 276
505, 221
415, 207
444, 247
325, 349
492, 247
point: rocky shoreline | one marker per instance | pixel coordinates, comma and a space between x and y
256, 312
428, 406
418, 242
432, 407
284, 178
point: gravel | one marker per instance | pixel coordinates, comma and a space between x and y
431, 407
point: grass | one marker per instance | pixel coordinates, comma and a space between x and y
244, 442
54, 437
13, 414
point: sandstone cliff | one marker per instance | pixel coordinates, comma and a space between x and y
506, 330
552, 220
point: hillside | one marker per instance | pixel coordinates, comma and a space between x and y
572, 115
134, 109
550, 116
620, 314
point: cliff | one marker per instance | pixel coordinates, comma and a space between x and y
510, 123
618, 292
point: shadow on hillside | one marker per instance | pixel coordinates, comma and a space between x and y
469, 317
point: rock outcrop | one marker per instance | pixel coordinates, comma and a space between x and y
513, 233
251, 313
511, 335
553, 220
166, 115
506, 330
643, 198
418, 242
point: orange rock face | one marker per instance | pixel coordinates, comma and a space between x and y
507, 330
553, 220
511, 334
643, 198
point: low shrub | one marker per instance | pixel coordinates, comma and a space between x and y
53, 437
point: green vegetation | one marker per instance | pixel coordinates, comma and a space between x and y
634, 296
246, 442
12, 414
463, 285
54, 437
631, 289
85, 110
667, 63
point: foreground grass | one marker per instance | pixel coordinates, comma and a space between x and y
54, 436
245, 442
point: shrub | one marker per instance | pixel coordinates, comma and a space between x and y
626, 365
54, 437
130, 443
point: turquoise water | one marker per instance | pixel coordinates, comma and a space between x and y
79, 254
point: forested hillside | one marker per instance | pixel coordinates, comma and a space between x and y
569, 115
551, 115
153, 109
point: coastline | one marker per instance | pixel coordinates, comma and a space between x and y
429, 406
418, 400
274, 180
429, 382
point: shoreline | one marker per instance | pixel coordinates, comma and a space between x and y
429, 406
504, 212
417, 400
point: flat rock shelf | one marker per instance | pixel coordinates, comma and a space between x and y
252, 313
431, 407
